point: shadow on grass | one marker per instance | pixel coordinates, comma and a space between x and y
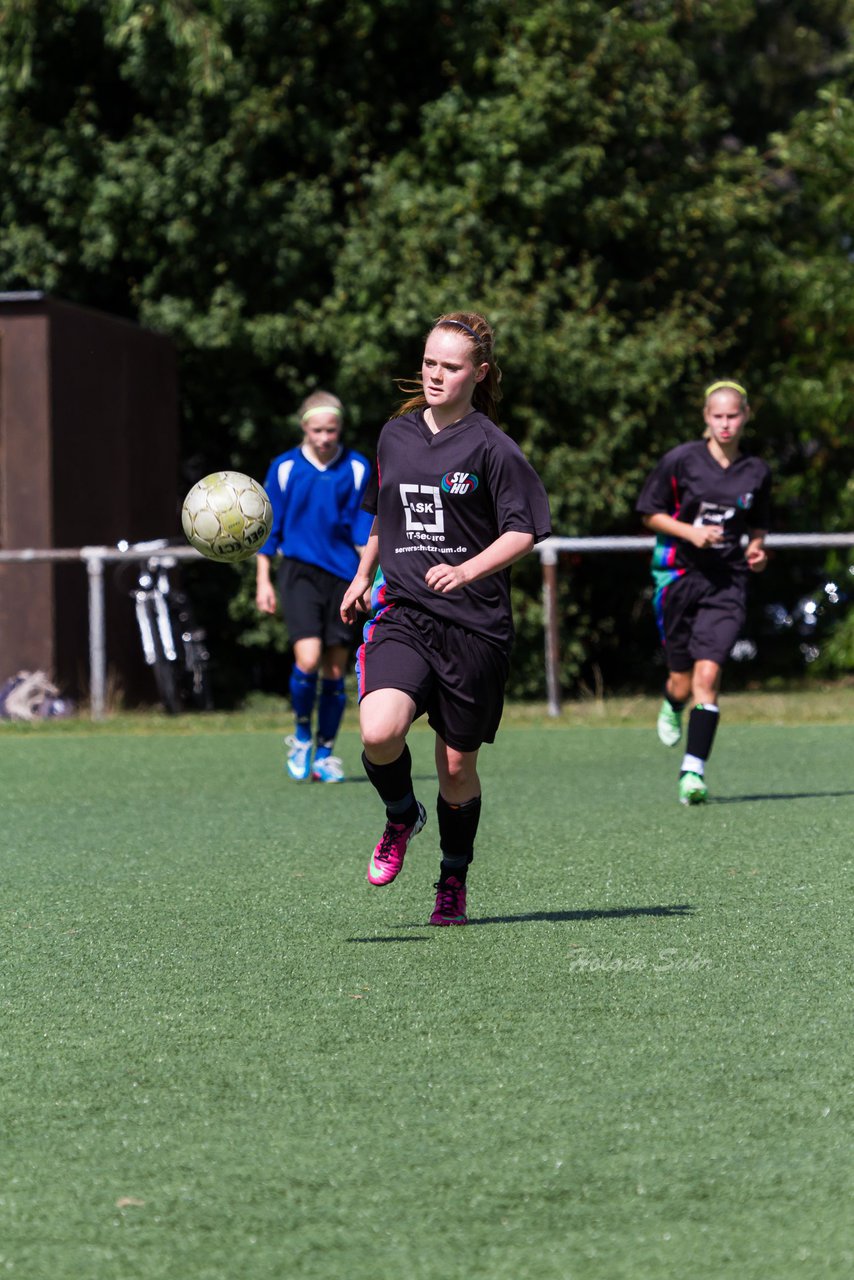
780, 795
616, 913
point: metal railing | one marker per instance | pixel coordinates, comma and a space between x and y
550, 548
95, 558
548, 551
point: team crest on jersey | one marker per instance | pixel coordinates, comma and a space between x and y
461, 482
745, 501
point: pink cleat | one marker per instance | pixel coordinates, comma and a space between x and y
387, 858
450, 902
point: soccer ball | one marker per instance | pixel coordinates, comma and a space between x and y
227, 516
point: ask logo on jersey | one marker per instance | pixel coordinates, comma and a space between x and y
461, 482
422, 506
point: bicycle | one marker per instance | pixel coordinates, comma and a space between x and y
173, 645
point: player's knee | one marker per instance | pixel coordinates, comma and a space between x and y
381, 739
704, 687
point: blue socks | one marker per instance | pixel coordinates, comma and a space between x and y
303, 690
330, 710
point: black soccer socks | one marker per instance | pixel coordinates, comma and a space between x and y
457, 830
702, 726
393, 782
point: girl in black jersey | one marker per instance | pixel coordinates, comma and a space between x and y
455, 504
701, 499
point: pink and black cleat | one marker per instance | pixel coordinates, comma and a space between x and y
450, 905
387, 859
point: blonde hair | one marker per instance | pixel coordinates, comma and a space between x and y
320, 402
481, 336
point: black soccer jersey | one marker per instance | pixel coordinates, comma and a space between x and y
445, 497
691, 485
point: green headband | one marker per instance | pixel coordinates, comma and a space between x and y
321, 408
725, 386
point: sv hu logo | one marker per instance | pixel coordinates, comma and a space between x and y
459, 482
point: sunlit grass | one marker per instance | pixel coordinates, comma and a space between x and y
223, 1054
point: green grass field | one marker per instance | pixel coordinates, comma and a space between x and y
224, 1055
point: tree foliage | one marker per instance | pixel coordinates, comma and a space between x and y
641, 197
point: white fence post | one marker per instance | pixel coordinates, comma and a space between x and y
548, 560
97, 638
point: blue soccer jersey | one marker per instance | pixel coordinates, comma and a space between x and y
317, 516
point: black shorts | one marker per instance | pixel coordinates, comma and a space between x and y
702, 619
453, 674
311, 602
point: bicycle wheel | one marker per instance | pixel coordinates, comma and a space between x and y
167, 684
165, 675
199, 693
195, 677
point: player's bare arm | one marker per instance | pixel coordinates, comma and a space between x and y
357, 597
755, 554
501, 553
265, 593
702, 535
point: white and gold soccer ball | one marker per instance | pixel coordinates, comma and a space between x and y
227, 516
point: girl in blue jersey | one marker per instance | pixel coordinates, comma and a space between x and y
701, 500
316, 491
455, 504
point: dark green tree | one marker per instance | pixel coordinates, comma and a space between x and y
618, 190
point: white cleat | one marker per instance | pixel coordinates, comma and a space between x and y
299, 758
